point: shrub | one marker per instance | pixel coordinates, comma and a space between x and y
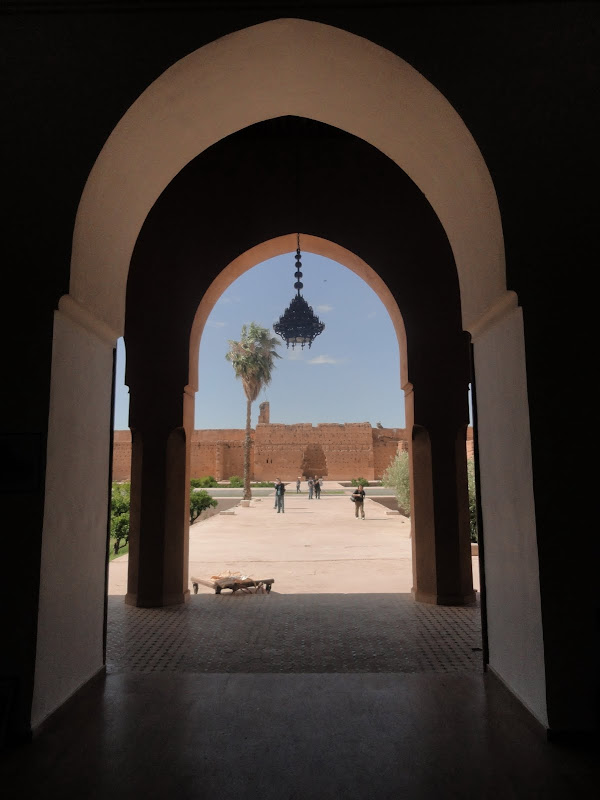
397, 476
236, 482
359, 482
199, 501
206, 482
472, 500
119, 532
119, 515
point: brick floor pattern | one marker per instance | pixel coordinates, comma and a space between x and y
303, 633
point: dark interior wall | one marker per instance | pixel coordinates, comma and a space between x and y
524, 78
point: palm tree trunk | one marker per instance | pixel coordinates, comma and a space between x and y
247, 492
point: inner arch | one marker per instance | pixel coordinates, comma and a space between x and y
279, 246
244, 200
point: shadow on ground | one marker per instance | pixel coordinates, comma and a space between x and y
301, 633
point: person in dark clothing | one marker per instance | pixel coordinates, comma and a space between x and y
359, 502
279, 496
317, 488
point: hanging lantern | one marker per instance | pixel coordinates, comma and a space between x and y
298, 324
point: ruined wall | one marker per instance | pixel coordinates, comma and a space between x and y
121, 468
219, 453
470, 443
264, 413
386, 443
334, 451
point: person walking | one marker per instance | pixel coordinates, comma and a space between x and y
311, 488
317, 488
279, 496
358, 496
298, 482
277, 481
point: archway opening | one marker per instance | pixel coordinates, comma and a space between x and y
356, 579
404, 117
321, 415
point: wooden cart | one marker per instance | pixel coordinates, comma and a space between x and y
233, 582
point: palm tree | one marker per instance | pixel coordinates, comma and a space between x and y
252, 358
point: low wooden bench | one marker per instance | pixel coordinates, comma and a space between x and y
232, 583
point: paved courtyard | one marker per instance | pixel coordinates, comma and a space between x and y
340, 602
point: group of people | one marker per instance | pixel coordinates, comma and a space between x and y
314, 487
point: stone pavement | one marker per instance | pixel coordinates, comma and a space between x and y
340, 601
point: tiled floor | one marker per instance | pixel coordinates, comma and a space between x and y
306, 693
294, 633
340, 603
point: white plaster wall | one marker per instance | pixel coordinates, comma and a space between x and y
511, 558
71, 610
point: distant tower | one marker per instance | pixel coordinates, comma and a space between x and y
263, 413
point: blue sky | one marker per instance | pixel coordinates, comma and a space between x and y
350, 374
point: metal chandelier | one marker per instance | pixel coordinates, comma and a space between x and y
298, 324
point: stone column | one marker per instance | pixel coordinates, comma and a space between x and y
442, 569
158, 551
159, 518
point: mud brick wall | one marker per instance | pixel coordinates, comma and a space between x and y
232, 461
264, 413
121, 466
219, 435
470, 443
349, 450
332, 451
278, 451
203, 459
386, 443
219, 453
